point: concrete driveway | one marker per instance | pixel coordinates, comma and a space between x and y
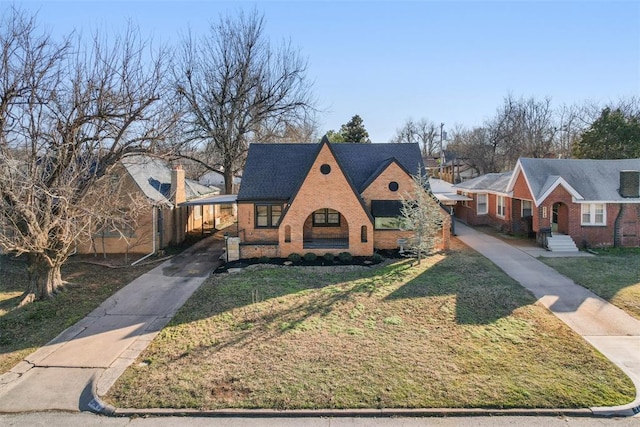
610, 330
95, 351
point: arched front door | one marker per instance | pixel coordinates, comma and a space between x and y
560, 218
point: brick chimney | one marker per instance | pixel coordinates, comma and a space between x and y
178, 194
630, 184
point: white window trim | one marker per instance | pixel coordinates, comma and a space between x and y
504, 206
592, 214
486, 203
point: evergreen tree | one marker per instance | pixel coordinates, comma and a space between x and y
352, 131
613, 135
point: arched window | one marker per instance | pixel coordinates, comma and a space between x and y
363, 234
287, 233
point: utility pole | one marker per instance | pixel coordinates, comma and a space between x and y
441, 151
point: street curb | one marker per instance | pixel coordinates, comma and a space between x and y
96, 404
629, 410
352, 413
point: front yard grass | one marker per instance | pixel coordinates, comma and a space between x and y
453, 332
614, 275
24, 329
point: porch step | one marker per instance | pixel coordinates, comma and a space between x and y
561, 243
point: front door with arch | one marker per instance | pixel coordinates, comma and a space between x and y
560, 218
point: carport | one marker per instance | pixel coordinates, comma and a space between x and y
220, 199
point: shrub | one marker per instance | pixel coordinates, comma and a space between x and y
328, 257
345, 256
264, 259
377, 258
294, 257
310, 257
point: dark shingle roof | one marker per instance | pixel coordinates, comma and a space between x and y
274, 171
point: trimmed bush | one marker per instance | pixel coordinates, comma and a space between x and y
345, 257
294, 257
328, 257
264, 259
310, 257
377, 258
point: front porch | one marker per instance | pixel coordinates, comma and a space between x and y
338, 242
325, 229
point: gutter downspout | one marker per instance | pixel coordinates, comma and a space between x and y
154, 221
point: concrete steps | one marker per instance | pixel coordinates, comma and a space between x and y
561, 243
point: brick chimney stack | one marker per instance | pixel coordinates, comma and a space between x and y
178, 194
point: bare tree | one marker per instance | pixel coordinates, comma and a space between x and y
523, 128
421, 213
68, 114
233, 84
305, 132
423, 132
479, 147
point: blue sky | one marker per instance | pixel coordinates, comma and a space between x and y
450, 62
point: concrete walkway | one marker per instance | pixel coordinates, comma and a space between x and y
90, 355
610, 330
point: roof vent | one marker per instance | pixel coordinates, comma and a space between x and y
630, 183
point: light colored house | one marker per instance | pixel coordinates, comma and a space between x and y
216, 179
157, 191
595, 202
299, 198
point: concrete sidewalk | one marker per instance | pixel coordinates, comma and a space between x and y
95, 351
610, 330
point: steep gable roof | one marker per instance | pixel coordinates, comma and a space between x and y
275, 171
586, 179
153, 177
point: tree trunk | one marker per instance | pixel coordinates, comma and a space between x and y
228, 180
45, 279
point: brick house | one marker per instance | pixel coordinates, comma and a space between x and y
299, 198
595, 202
163, 219
490, 203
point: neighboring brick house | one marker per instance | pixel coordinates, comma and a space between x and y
490, 203
299, 198
162, 189
595, 202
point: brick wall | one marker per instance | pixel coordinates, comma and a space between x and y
246, 226
332, 191
569, 221
248, 250
468, 214
379, 188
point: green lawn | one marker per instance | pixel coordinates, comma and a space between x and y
24, 329
613, 274
454, 332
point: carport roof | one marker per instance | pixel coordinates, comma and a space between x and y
221, 199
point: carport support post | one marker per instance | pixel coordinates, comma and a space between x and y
226, 245
453, 221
